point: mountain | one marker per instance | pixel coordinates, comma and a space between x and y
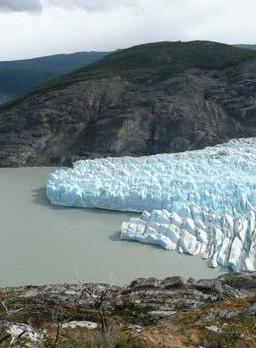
148, 99
20, 76
248, 46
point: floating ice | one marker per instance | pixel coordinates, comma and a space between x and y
199, 202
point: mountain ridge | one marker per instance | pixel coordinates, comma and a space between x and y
18, 77
247, 46
138, 57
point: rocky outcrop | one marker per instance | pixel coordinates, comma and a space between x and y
113, 114
143, 302
173, 312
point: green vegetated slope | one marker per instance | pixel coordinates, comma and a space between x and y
159, 61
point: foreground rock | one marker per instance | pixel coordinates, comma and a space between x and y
144, 301
150, 310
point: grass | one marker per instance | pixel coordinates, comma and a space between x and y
80, 338
236, 332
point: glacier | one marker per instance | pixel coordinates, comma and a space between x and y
199, 202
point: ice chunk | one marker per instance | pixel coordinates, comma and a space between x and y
235, 256
235, 252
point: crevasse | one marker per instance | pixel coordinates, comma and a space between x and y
199, 202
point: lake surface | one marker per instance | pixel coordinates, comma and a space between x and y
42, 244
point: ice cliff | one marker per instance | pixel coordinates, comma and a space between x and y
199, 202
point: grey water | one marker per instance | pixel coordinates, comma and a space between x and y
43, 244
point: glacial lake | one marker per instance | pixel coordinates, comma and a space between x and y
42, 244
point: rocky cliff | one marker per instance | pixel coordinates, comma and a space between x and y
162, 97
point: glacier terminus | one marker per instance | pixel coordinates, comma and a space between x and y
199, 202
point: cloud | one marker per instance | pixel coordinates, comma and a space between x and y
84, 25
87, 5
20, 5
92, 5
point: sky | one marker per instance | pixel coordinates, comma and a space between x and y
33, 28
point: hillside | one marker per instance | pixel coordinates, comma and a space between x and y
152, 98
247, 46
20, 76
150, 63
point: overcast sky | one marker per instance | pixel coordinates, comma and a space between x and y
30, 28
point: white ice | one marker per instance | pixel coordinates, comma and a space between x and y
198, 202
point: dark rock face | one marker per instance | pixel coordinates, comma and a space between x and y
144, 301
113, 116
